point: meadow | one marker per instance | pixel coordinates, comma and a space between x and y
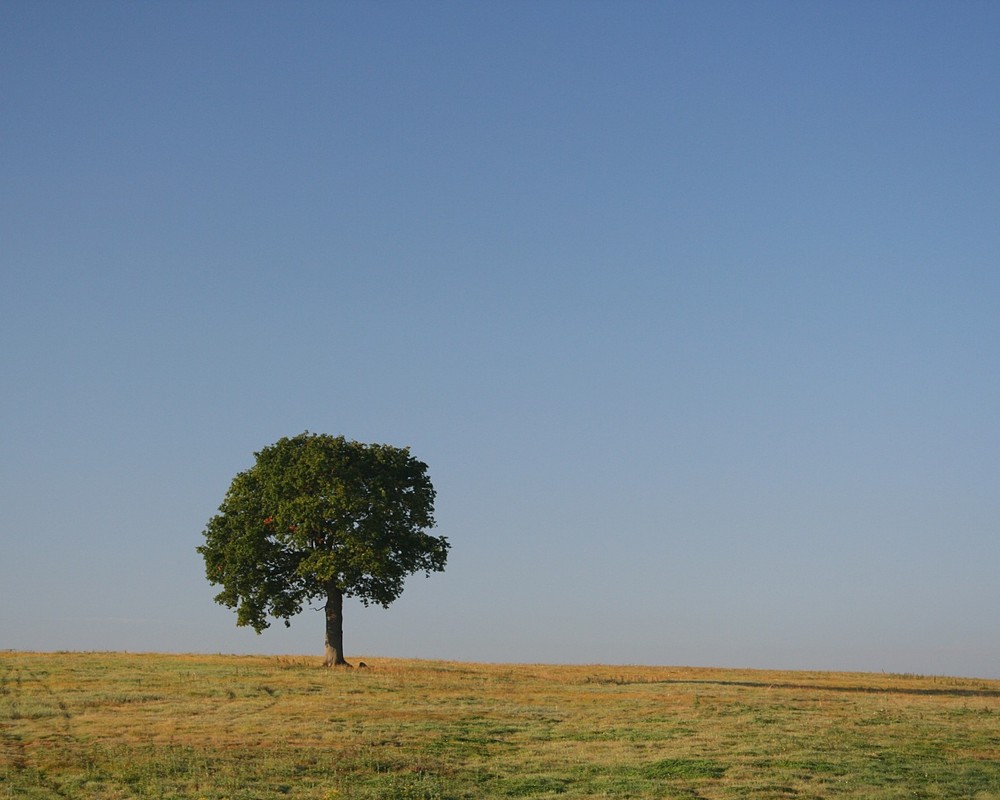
115, 725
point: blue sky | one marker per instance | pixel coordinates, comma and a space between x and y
691, 309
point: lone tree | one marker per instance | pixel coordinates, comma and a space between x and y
318, 516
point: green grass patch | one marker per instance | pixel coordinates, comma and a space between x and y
683, 768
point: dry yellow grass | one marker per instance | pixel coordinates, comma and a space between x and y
110, 725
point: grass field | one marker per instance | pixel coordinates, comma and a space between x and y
112, 725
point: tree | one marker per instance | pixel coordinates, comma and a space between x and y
321, 517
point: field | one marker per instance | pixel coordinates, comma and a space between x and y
112, 725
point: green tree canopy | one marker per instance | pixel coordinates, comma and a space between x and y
319, 516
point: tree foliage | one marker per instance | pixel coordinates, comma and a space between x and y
319, 516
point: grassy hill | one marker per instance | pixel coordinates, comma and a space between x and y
112, 725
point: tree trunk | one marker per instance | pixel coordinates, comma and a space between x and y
335, 628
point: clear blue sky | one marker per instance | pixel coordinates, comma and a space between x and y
692, 308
